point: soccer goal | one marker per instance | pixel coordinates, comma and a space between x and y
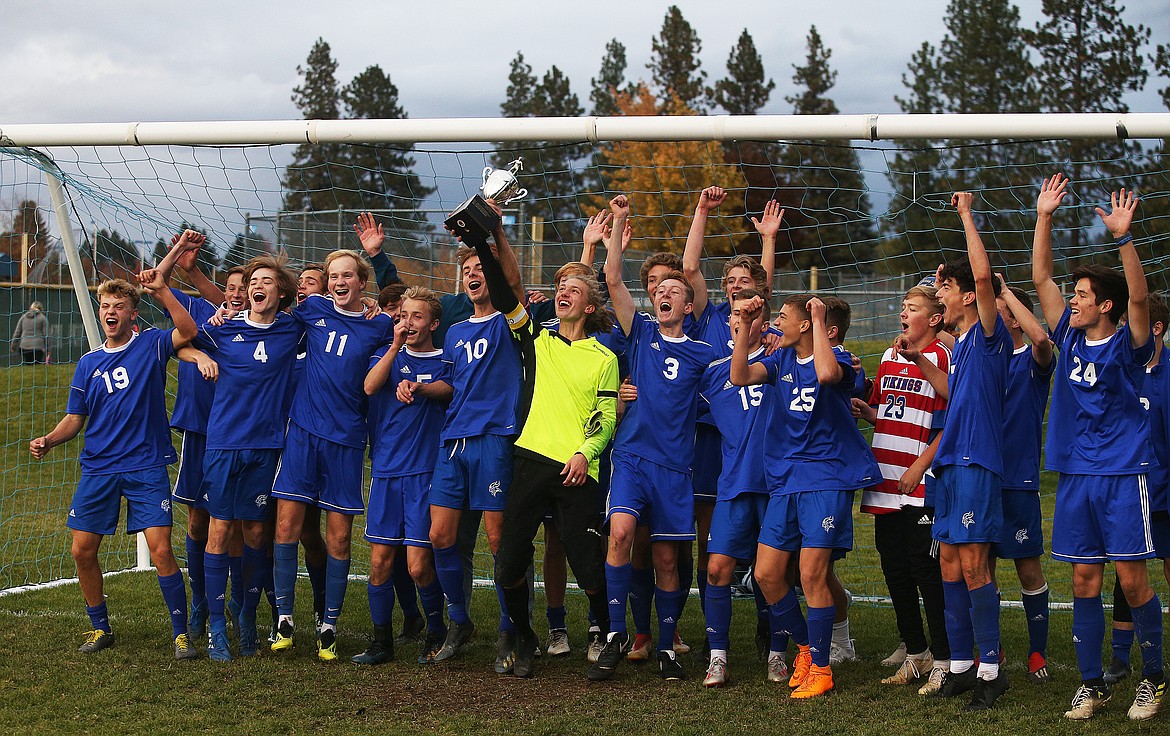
866, 201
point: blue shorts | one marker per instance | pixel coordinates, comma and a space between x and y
658, 497
400, 511
1100, 518
98, 499
237, 483
474, 472
318, 472
812, 519
735, 525
708, 463
189, 484
968, 508
1023, 530
1160, 530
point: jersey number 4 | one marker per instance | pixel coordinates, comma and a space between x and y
1083, 374
259, 353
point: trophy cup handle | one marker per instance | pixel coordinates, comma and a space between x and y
487, 170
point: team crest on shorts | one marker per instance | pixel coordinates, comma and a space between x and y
494, 488
827, 523
968, 519
262, 500
1021, 536
166, 504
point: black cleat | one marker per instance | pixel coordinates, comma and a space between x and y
613, 652
506, 649
1118, 671
380, 650
457, 637
431, 646
955, 684
412, 630
987, 692
669, 668
526, 648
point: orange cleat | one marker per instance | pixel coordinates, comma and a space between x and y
818, 682
800, 666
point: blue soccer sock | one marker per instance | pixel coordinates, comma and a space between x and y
556, 618
195, 570
99, 616
641, 592
449, 569
1147, 623
717, 611
266, 583
820, 633
960, 634
1036, 611
236, 570
404, 586
336, 581
381, 603
216, 570
284, 576
317, 575
255, 563
787, 620
617, 586
174, 593
1088, 629
591, 618
669, 605
501, 598
432, 605
1122, 643
985, 625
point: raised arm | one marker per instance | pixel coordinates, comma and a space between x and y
742, 372
1052, 305
189, 241
980, 265
189, 261
824, 359
768, 226
934, 375
1120, 217
507, 258
1037, 335
185, 327
378, 375
370, 235
709, 199
596, 231
619, 295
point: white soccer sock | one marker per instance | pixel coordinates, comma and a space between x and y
988, 670
841, 633
719, 654
959, 666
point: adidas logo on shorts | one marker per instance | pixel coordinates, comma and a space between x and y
238, 338
320, 322
925, 521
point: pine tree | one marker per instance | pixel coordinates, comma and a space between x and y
310, 179
1154, 210
744, 91
827, 204
244, 248
610, 79
675, 68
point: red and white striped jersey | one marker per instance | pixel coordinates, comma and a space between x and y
907, 409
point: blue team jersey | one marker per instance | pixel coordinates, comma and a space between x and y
255, 366
122, 391
740, 413
977, 384
660, 425
330, 402
1156, 398
1097, 423
456, 308
194, 395
714, 328
1023, 417
404, 438
486, 376
813, 440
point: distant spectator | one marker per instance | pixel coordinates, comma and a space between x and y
32, 331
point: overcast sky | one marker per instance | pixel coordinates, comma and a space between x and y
128, 60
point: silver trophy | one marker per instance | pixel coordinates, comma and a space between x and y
501, 185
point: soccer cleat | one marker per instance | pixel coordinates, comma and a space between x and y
897, 658
1118, 671
197, 621
1038, 669
380, 650
319, 615
777, 668
955, 684
284, 637
457, 637
800, 666
914, 668
596, 643
97, 640
763, 638
272, 635
558, 643
431, 646
1088, 700
640, 651
839, 653
249, 639
412, 630
934, 682
613, 652
818, 682
233, 611
717, 675
669, 667
987, 692
184, 649
218, 648
680, 646
526, 648
506, 649
327, 645
1148, 699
